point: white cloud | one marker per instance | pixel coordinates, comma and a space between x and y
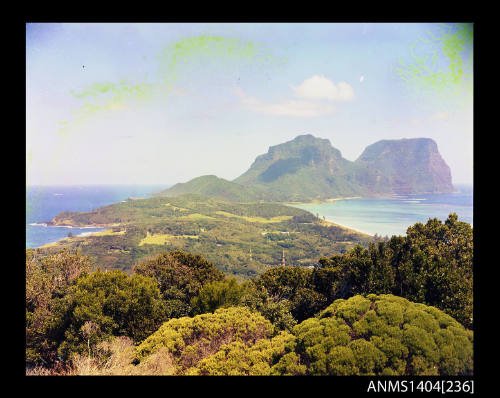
361, 79
319, 87
287, 108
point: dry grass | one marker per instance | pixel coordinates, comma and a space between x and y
115, 358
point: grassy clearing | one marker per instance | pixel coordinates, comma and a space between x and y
161, 239
175, 207
275, 219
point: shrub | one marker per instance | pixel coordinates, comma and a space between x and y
431, 265
238, 358
48, 279
190, 340
381, 335
179, 276
116, 304
217, 294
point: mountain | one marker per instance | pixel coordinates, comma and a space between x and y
304, 168
214, 187
406, 166
308, 168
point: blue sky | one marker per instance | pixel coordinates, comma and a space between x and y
221, 109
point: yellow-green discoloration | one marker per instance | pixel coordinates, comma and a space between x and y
441, 64
256, 219
209, 49
161, 239
173, 63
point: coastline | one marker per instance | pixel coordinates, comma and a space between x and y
328, 222
49, 224
318, 201
348, 229
68, 225
101, 228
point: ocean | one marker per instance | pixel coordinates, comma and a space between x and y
44, 202
392, 216
385, 217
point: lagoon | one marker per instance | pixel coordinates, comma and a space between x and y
393, 215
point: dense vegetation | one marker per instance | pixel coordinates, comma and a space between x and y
215, 187
401, 307
379, 335
241, 239
432, 264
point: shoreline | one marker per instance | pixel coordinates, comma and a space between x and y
101, 228
48, 224
67, 225
332, 200
322, 201
349, 229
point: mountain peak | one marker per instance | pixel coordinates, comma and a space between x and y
405, 166
310, 168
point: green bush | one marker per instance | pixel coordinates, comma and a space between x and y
275, 310
48, 279
238, 358
381, 335
431, 265
114, 304
293, 284
179, 276
190, 340
217, 294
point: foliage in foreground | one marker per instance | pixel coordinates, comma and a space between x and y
190, 340
382, 335
373, 335
179, 276
105, 304
432, 265
74, 317
48, 279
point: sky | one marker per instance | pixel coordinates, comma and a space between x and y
164, 103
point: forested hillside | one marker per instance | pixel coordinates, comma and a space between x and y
241, 239
397, 307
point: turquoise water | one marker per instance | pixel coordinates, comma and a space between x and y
392, 216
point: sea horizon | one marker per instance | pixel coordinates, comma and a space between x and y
44, 202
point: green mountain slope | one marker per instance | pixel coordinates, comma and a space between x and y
305, 168
214, 187
309, 168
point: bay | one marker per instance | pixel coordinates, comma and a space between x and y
393, 215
